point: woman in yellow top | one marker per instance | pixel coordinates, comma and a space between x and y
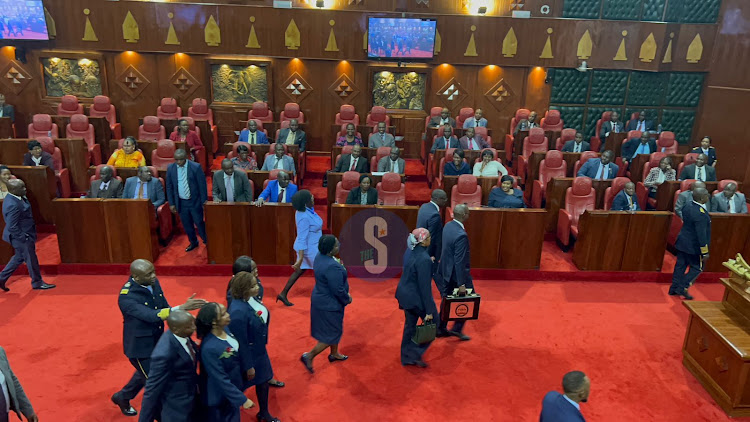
128, 156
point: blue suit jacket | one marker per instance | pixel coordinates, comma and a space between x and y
620, 203
414, 289
143, 318
154, 190
631, 146
271, 192
196, 181
172, 382
331, 291
695, 235
591, 166
19, 221
472, 122
221, 378
429, 218
555, 408
252, 334
455, 259
260, 136
440, 143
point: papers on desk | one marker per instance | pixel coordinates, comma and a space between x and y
237, 132
378, 173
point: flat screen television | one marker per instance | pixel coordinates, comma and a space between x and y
401, 38
22, 20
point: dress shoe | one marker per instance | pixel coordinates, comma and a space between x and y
673, 292
461, 336
417, 363
268, 418
44, 286
442, 333
124, 406
685, 295
307, 361
332, 358
191, 247
277, 384
3, 288
284, 300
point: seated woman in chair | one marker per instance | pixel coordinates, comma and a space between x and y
350, 138
489, 167
659, 175
364, 194
505, 196
128, 155
458, 166
243, 161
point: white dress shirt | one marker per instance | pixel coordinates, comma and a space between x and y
460, 224
37, 161
353, 163
184, 342
603, 172
258, 307
436, 206
577, 146
104, 186
704, 206
232, 342
578, 406
279, 162
732, 207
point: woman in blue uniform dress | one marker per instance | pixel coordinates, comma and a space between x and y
309, 230
250, 319
329, 297
220, 371
506, 196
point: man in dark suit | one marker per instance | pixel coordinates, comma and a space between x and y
527, 124
641, 123
614, 125
106, 187
279, 190
429, 218
692, 244
7, 110
293, 135
470, 141
637, 146
12, 396
455, 265
252, 135
625, 200
20, 232
144, 309
687, 196
566, 407
144, 186
577, 145
186, 193
37, 157
729, 201
443, 119
446, 141
600, 168
353, 162
231, 186
699, 170
172, 384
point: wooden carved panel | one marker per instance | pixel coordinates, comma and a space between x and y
501, 95
344, 89
296, 87
184, 83
452, 93
15, 77
132, 81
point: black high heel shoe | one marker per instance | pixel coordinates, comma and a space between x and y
266, 418
332, 358
284, 300
307, 361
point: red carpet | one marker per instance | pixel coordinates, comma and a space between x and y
65, 346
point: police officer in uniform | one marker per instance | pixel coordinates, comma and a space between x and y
144, 309
692, 243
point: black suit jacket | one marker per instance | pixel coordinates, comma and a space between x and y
143, 315
455, 259
300, 138
19, 221
46, 160
9, 111
631, 146
429, 218
345, 163
688, 172
633, 125
354, 195
695, 235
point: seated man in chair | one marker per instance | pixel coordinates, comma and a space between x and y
106, 187
625, 200
729, 201
279, 190
392, 163
600, 168
144, 186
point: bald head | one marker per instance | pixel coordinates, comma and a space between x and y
16, 187
697, 185
181, 323
700, 195
142, 271
461, 213
180, 156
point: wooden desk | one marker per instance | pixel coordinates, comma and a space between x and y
6, 250
366, 153
147, 147
13, 150
207, 137
518, 143
665, 193
41, 186
730, 235
614, 142
334, 178
75, 155
6, 128
487, 184
341, 213
552, 136
266, 233
555, 197
506, 238
621, 240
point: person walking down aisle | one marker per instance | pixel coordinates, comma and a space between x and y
566, 407
455, 266
692, 243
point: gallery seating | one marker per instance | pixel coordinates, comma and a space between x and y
521, 114
163, 155
61, 174
199, 111
79, 127
463, 114
151, 129
97, 173
596, 142
376, 115
260, 111
391, 191
565, 136
535, 142
41, 126
292, 111
103, 107
69, 106
667, 143
349, 181
689, 159
585, 156
347, 114
552, 166
168, 110
578, 198
552, 121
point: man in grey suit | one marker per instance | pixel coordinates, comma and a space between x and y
12, 396
293, 135
144, 186
729, 201
576, 145
279, 160
476, 121
231, 186
106, 187
443, 119
392, 163
381, 138
687, 196
353, 162
7, 110
699, 170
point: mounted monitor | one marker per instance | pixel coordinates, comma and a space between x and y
401, 38
22, 20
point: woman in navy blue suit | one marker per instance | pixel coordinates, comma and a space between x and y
250, 319
414, 295
329, 297
458, 166
220, 372
505, 196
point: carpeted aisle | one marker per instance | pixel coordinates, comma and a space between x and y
65, 345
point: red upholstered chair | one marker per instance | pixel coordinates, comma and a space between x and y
200, 111
465, 191
463, 114
151, 129
391, 191
596, 143
292, 111
434, 111
349, 181
61, 174
98, 170
653, 161
163, 155
380, 153
552, 121
261, 112
191, 126
535, 142
565, 136
233, 153
667, 143
344, 150
102, 107
578, 198
376, 115
41, 126
482, 131
441, 168
69, 106
690, 158
347, 114
633, 134
521, 114
168, 109
585, 156
618, 184
79, 127
552, 166
164, 215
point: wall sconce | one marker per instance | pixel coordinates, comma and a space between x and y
482, 10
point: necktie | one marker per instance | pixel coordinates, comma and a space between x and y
699, 176
473, 144
382, 138
252, 141
641, 126
140, 190
281, 195
630, 201
603, 171
192, 350
228, 183
577, 147
354, 164
279, 163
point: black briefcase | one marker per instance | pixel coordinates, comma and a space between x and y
426, 333
460, 308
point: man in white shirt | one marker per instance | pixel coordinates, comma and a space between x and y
12, 396
392, 163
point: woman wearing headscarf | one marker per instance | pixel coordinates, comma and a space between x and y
414, 295
329, 297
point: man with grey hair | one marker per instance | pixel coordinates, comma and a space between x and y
692, 244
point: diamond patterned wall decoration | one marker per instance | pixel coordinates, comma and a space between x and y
501, 95
15, 77
184, 82
296, 87
132, 81
344, 89
452, 93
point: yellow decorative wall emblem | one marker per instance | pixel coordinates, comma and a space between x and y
585, 46
212, 32
668, 53
547, 50
51, 26
471, 48
648, 49
331, 46
364, 42
695, 50
292, 36
252, 41
88, 32
130, 29
171, 34
510, 44
438, 42
621, 55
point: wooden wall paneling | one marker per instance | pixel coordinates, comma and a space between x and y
661, 37
684, 38
536, 96
129, 108
607, 37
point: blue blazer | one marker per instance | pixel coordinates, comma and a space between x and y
196, 181
711, 154
472, 122
19, 221
172, 382
455, 259
414, 289
631, 146
154, 190
500, 199
331, 291
591, 166
271, 192
555, 408
440, 143
252, 333
429, 218
143, 315
221, 378
620, 203
261, 290
695, 235
260, 136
